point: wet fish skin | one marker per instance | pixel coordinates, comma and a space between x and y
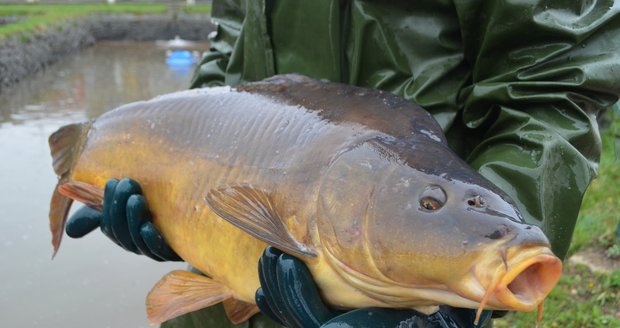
358, 183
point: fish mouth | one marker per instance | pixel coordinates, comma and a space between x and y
527, 284
523, 282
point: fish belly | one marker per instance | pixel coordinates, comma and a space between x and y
175, 195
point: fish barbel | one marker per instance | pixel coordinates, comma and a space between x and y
359, 184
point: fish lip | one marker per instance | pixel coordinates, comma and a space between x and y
528, 281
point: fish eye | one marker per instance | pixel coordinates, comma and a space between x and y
430, 204
432, 198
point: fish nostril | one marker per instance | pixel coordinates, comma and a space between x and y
476, 201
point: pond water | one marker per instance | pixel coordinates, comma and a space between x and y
91, 282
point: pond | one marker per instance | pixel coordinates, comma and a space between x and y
91, 282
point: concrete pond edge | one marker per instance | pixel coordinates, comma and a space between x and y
25, 54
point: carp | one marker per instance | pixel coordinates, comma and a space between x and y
359, 184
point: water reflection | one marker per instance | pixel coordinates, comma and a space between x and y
96, 80
91, 283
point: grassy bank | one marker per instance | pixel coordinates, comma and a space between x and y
600, 212
197, 9
583, 298
37, 17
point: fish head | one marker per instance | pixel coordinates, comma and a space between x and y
411, 224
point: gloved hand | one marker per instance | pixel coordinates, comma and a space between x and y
289, 296
125, 219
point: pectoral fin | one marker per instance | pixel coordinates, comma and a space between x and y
181, 292
239, 311
253, 211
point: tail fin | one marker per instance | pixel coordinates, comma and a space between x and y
65, 148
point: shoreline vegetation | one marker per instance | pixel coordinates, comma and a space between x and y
583, 297
32, 18
33, 36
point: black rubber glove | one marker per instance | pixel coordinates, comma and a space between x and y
125, 219
289, 296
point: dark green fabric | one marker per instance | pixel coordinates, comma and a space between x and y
516, 85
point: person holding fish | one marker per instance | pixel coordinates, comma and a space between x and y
515, 87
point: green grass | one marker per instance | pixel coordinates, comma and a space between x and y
197, 9
600, 213
40, 16
582, 298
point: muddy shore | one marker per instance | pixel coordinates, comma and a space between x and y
23, 55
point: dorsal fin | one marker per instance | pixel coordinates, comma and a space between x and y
253, 211
239, 311
180, 292
65, 148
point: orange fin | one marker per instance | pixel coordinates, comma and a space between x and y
65, 148
253, 211
181, 292
59, 209
89, 195
239, 311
